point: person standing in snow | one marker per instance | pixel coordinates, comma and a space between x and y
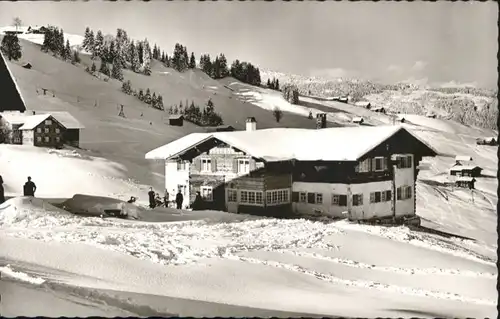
151, 195
179, 199
29, 188
165, 198
2, 194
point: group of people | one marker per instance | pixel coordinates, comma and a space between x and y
29, 189
156, 201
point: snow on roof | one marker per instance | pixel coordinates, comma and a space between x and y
67, 120
362, 103
177, 146
465, 179
33, 120
175, 117
357, 119
14, 117
463, 158
284, 144
463, 167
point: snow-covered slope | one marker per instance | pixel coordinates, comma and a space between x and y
75, 41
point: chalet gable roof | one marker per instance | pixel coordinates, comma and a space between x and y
33, 121
283, 144
464, 167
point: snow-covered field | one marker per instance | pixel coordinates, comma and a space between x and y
295, 266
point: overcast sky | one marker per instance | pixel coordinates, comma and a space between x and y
437, 42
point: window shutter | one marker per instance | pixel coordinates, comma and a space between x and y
252, 164
409, 192
214, 164
197, 164
372, 197
398, 193
399, 161
382, 196
343, 200
388, 195
373, 164
386, 163
235, 165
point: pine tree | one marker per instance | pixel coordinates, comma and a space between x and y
140, 96
75, 57
159, 102
121, 47
163, 57
147, 97
67, 51
277, 85
269, 85
46, 41
10, 47
117, 72
127, 87
91, 45
216, 69
99, 44
93, 68
140, 50
86, 40
134, 60
153, 99
60, 44
112, 54
192, 61
104, 69
223, 70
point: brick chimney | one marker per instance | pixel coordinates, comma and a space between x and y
320, 120
251, 124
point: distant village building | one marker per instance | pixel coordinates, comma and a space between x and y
465, 182
431, 115
220, 128
491, 141
459, 159
368, 172
400, 118
364, 104
27, 66
466, 170
343, 99
176, 120
358, 120
379, 109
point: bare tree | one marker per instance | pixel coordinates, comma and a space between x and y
17, 22
278, 114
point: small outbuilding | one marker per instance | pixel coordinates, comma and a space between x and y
379, 109
465, 182
466, 170
364, 104
431, 115
176, 120
358, 120
27, 66
491, 141
220, 128
343, 99
462, 158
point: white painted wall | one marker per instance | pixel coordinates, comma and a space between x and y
365, 211
173, 178
405, 177
28, 137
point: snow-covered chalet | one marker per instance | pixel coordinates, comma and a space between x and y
361, 172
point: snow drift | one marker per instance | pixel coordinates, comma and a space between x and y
98, 205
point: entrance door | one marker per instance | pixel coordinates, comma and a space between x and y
232, 200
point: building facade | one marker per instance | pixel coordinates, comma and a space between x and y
46, 132
380, 183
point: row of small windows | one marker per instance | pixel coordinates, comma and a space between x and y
273, 197
380, 164
206, 165
402, 193
47, 130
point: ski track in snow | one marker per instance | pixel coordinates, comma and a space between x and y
368, 284
429, 241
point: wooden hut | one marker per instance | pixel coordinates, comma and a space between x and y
176, 120
465, 182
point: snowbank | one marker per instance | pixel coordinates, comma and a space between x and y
63, 173
98, 205
9, 272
